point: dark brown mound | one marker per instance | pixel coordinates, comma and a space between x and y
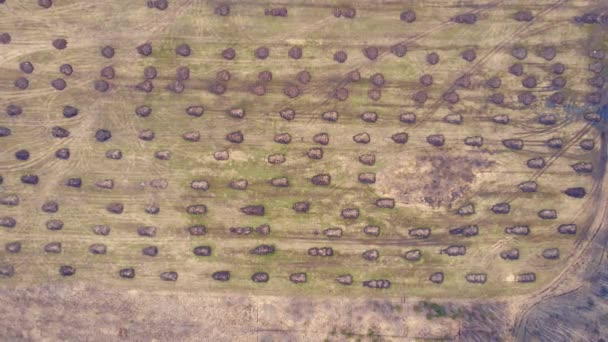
593, 98
63, 153
523, 16
169, 276
475, 141
260, 277
5, 38
67, 270
374, 94
436, 278
144, 49
179, 86
370, 117
467, 18
371, 52
262, 52
222, 10
276, 12
258, 89
315, 153
372, 230
519, 52
340, 56
596, 67
587, 144
454, 250
221, 276
547, 119
322, 179
282, 138
420, 97
469, 55
240, 184
408, 16
597, 82
197, 230
408, 118
9, 200
367, 159
362, 138
301, 207
529, 82
529, 186
526, 98
367, 178
217, 88
146, 134
152, 209
98, 248
26, 67
8, 222
501, 208
254, 210
502, 119
436, 140
66, 69
199, 209
107, 51
558, 68
103, 135
263, 250
265, 76
493, 82
223, 76
399, 138
476, 278
60, 132
388, 203
330, 116
146, 231
569, 229
555, 143
578, 192
426, 80
463, 81
30, 179
341, 94
143, 111
195, 111
192, 136
371, 255
377, 283
22, 155
467, 209
288, 114
350, 213
13, 110
199, 185
60, 43
511, 254
229, 54
304, 77
127, 273
377, 79
516, 69
333, 232
432, 58
235, 137
547, 52
105, 184
597, 54
45, 3
21, 83
183, 50
50, 207
455, 119
399, 50
115, 208
103, 86
69, 111
497, 98
182, 73
276, 158
297, 278
202, 251
295, 52
59, 84
53, 247
551, 253
150, 251
5, 131
281, 182
241, 230
13, 247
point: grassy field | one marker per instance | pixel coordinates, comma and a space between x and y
482, 176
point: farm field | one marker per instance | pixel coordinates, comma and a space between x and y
437, 150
